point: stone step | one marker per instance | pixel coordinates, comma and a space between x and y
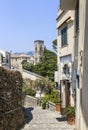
46, 127
38, 119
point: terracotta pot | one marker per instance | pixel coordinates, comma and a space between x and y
58, 108
71, 119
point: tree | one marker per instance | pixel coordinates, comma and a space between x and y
47, 65
28, 66
43, 85
54, 45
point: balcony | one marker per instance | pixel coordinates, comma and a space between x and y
67, 4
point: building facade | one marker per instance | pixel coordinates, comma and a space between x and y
81, 40
65, 55
5, 59
38, 50
16, 60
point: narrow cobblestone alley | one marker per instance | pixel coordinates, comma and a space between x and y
38, 119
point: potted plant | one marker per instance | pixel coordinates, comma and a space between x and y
58, 106
70, 113
55, 99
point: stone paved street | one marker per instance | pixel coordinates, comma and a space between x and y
38, 119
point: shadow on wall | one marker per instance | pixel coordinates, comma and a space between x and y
84, 104
27, 116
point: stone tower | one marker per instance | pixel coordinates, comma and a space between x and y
38, 50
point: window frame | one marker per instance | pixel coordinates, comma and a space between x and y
77, 17
64, 36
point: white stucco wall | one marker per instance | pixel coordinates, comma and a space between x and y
66, 51
29, 75
6, 56
66, 60
16, 60
83, 40
70, 37
65, 54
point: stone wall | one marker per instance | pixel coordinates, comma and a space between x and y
30, 101
11, 113
51, 106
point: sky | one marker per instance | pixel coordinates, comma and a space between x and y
24, 21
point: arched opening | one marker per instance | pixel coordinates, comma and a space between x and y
66, 69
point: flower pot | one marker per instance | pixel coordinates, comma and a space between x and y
71, 119
58, 107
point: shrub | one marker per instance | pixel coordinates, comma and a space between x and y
10, 99
44, 100
44, 85
27, 89
54, 97
30, 92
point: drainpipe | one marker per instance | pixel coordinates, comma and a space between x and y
77, 102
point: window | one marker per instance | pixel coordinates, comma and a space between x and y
64, 36
4, 60
66, 69
77, 16
35, 48
41, 50
7, 59
1, 58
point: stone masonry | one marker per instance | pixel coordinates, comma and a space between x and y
38, 119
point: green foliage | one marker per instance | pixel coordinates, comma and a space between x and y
31, 92
44, 85
10, 80
54, 97
47, 65
10, 89
10, 99
28, 88
28, 66
54, 44
69, 110
44, 100
43, 103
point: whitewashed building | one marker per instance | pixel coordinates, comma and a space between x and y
16, 60
5, 59
81, 44
65, 56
